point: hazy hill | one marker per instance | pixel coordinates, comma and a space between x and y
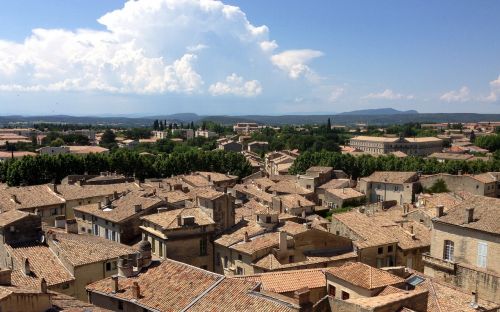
379, 111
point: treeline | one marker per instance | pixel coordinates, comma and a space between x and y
365, 165
43, 169
489, 142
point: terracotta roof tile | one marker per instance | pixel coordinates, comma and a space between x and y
363, 275
237, 233
287, 281
289, 187
168, 219
486, 210
394, 177
29, 197
11, 216
345, 193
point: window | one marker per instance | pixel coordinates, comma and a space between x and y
239, 271
83, 229
53, 211
204, 267
380, 262
332, 290
65, 286
308, 187
120, 305
108, 266
291, 259
380, 250
217, 259
203, 247
482, 253
240, 257
106, 234
226, 261
83, 217
153, 245
268, 219
389, 248
449, 247
345, 295
160, 249
96, 229
113, 235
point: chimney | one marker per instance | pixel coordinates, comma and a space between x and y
43, 286
13, 197
26, 267
303, 296
303, 214
137, 207
136, 291
107, 201
469, 215
209, 177
115, 195
125, 268
53, 187
475, 304
282, 241
439, 211
343, 190
5, 277
247, 239
162, 209
179, 220
99, 205
71, 226
114, 284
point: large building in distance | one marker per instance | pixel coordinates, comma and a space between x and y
384, 145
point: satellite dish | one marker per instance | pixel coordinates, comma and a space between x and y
42, 239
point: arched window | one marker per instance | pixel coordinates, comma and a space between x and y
449, 247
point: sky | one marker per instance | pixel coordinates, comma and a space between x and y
236, 57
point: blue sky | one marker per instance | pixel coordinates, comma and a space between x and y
248, 57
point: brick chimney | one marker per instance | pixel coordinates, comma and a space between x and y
5, 277
114, 284
71, 226
247, 239
26, 267
469, 215
439, 211
125, 268
303, 296
136, 290
43, 286
282, 241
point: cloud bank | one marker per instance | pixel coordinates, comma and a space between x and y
153, 47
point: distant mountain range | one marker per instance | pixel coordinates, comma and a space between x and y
381, 116
379, 111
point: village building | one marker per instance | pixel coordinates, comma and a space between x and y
65, 260
278, 163
358, 280
118, 218
258, 146
413, 146
485, 184
230, 146
221, 182
216, 205
332, 184
175, 286
342, 197
184, 234
293, 204
384, 238
389, 185
465, 247
246, 128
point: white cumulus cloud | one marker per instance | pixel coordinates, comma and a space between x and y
388, 94
495, 91
151, 46
236, 85
294, 62
461, 95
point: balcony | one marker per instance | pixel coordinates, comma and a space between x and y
438, 262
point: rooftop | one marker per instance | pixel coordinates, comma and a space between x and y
25, 197
394, 177
175, 286
485, 216
364, 276
124, 207
345, 193
289, 187
168, 219
288, 281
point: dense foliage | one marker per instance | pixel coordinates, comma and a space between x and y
489, 142
437, 187
365, 165
41, 169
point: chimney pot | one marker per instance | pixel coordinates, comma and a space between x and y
469, 215
247, 239
114, 284
43, 286
136, 290
439, 210
26, 267
179, 220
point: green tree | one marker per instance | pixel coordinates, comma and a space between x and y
438, 187
57, 142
